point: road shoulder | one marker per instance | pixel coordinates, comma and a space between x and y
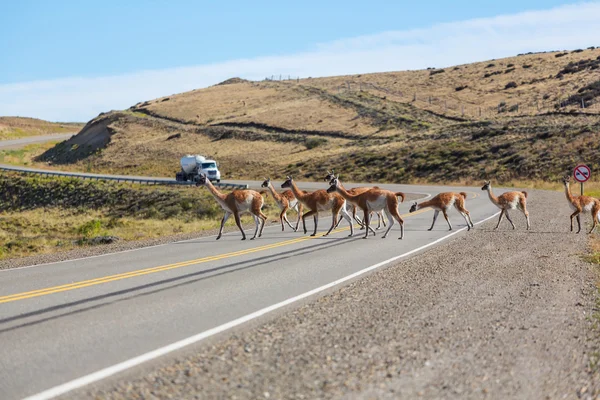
498, 314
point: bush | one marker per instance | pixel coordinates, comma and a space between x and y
491, 65
526, 66
511, 85
436, 71
315, 142
90, 229
459, 88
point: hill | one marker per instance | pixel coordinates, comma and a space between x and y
17, 127
529, 116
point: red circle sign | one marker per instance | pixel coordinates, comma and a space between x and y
582, 173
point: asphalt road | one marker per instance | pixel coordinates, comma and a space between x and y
63, 321
18, 143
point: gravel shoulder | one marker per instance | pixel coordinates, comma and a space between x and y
488, 314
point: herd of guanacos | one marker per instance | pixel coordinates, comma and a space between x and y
371, 200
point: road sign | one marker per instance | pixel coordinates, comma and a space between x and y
582, 173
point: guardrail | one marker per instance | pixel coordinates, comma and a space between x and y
140, 180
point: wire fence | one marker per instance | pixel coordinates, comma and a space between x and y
571, 104
451, 107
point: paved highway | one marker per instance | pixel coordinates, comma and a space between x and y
68, 324
61, 322
18, 143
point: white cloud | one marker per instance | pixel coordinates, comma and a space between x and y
80, 99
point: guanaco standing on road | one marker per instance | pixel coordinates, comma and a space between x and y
373, 200
317, 201
236, 203
581, 205
285, 200
508, 201
351, 208
443, 202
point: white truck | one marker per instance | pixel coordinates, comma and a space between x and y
194, 165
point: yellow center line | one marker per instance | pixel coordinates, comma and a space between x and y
161, 268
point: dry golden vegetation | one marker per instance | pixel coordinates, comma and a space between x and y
18, 127
45, 215
375, 134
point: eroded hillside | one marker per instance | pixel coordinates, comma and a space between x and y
365, 125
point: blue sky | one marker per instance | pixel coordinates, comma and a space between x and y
60, 58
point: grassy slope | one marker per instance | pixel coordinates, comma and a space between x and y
275, 128
18, 127
45, 215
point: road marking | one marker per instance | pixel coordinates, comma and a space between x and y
146, 271
132, 362
426, 196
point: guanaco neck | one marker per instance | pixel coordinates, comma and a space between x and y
351, 198
424, 204
570, 196
213, 190
300, 194
493, 198
274, 193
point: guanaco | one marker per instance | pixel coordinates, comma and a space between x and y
317, 201
285, 200
508, 201
236, 203
373, 200
581, 205
443, 202
351, 208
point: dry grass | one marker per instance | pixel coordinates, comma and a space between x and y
25, 155
18, 127
44, 215
303, 128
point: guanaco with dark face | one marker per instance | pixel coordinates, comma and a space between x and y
443, 202
351, 208
508, 201
373, 200
317, 201
285, 201
236, 203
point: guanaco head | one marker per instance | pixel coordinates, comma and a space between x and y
486, 185
288, 182
413, 207
266, 182
334, 183
201, 180
330, 176
566, 180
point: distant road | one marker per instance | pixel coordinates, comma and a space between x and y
18, 143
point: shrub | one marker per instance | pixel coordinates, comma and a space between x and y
314, 142
436, 71
491, 65
459, 88
509, 70
511, 85
526, 66
90, 229
510, 65
560, 55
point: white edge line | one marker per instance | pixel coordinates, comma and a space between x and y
132, 362
427, 195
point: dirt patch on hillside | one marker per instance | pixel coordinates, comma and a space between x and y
490, 314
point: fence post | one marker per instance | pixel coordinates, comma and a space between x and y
480, 111
445, 106
429, 99
462, 109
582, 103
415, 97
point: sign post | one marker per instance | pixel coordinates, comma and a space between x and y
582, 173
